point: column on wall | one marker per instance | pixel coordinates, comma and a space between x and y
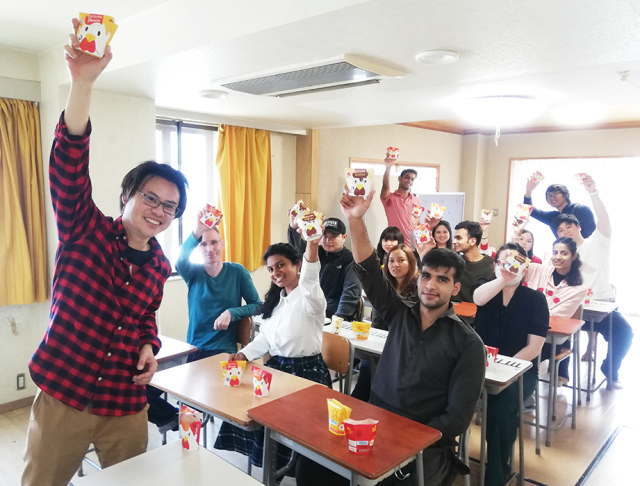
472, 174
307, 168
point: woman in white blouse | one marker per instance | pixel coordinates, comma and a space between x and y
293, 316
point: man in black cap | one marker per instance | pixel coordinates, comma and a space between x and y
338, 280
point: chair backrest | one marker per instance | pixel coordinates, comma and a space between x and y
336, 352
244, 331
359, 309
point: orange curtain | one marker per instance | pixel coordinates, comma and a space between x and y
244, 168
23, 245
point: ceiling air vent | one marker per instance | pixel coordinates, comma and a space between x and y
336, 73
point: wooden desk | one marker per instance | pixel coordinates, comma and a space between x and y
597, 311
499, 376
465, 309
301, 422
173, 352
170, 465
200, 385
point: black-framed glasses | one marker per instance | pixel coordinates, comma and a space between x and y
154, 202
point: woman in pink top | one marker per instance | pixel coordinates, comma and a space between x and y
561, 284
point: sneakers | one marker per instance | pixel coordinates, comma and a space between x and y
530, 404
562, 381
616, 385
170, 425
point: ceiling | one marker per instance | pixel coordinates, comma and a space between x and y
562, 52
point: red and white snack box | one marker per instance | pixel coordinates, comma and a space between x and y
492, 354
232, 372
437, 211
95, 32
513, 262
359, 181
392, 153
311, 224
190, 425
299, 207
212, 217
360, 434
537, 176
417, 211
486, 215
587, 298
422, 233
261, 381
523, 211
580, 176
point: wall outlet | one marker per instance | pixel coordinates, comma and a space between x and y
495, 212
21, 382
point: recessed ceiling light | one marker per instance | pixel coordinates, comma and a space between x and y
437, 57
500, 111
579, 114
213, 94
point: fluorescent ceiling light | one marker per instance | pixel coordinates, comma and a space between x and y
437, 57
579, 113
500, 111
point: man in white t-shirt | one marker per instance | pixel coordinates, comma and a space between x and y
594, 253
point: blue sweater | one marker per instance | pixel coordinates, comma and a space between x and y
209, 297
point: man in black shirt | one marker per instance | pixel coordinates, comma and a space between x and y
432, 367
337, 279
467, 241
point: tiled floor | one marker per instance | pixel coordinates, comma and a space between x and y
563, 464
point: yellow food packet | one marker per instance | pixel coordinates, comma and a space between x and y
95, 33
337, 414
232, 372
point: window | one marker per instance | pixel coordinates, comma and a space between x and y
192, 150
615, 181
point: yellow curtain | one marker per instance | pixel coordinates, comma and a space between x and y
244, 167
23, 246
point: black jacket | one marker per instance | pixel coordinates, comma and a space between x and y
338, 279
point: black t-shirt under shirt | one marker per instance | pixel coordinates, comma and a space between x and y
507, 328
137, 257
473, 271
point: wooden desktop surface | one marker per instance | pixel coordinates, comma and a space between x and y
172, 349
303, 417
465, 309
201, 384
564, 326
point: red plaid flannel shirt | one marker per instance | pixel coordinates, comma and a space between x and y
100, 314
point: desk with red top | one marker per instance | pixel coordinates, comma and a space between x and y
465, 309
300, 421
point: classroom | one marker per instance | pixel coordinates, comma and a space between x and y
430, 79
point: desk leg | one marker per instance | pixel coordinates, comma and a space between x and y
576, 359
419, 469
537, 411
269, 458
354, 479
483, 436
591, 364
552, 389
576, 382
521, 431
610, 352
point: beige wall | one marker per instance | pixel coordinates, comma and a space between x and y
415, 144
581, 143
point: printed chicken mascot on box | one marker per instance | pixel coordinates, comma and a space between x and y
95, 32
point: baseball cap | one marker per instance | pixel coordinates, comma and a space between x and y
335, 226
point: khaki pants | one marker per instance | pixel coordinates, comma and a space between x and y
59, 437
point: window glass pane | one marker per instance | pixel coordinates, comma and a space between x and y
425, 183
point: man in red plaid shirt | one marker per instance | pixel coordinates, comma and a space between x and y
98, 352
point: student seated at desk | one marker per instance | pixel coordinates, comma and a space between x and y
401, 270
561, 284
432, 367
514, 319
478, 266
293, 316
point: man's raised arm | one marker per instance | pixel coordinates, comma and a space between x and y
83, 70
604, 223
386, 190
354, 209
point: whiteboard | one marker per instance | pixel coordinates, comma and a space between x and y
452, 201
